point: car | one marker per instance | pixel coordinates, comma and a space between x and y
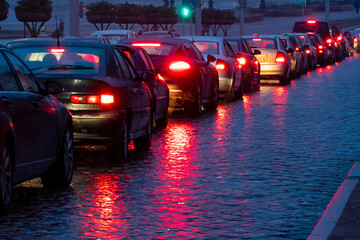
295, 57
109, 101
192, 80
309, 49
114, 36
158, 87
321, 49
229, 68
248, 61
325, 32
339, 35
301, 49
275, 63
353, 41
36, 130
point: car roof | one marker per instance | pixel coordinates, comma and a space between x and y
114, 32
168, 40
53, 42
262, 36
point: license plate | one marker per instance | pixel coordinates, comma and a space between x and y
261, 58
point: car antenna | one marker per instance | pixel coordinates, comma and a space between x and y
57, 32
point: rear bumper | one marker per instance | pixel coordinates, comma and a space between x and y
98, 127
180, 96
272, 70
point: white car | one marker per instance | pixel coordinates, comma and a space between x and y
114, 36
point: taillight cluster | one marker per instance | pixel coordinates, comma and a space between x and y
280, 57
308, 51
220, 64
321, 48
92, 99
356, 40
179, 66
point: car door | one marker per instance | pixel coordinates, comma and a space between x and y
232, 59
43, 112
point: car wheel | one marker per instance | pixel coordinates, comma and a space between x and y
240, 91
119, 150
248, 86
142, 143
162, 122
6, 178
196, 109
215, 97
285, 79
60, 175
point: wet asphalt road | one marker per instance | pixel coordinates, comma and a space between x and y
262, 168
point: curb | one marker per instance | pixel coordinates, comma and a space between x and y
335, 208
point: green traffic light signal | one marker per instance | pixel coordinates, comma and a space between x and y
185, 12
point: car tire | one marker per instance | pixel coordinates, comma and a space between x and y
119, 150
248, 86
215, 98
6, 177
162, 122
60, 175
240, 91
284, 80
196, 108
230, 96
143, 143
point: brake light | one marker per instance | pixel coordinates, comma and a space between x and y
311, 21
242, 61
339, 38
257, 39
308, 51
321, 47
179, 66
220, 66
329, 40
336, 44
280, 58
297, 49
146, 44
92, 99
355, 40
57, 50
257, 62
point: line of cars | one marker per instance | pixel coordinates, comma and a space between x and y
57, 93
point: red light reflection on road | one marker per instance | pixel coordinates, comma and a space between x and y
329, 68
174, 195
280, 97
104, 217
337, 64
320, 70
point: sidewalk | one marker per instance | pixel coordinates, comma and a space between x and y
341, 219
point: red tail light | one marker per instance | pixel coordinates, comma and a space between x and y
179, 66
356, 40
321, 47
336, 44
146, 44
220, 65
308, 51
92, 99
57, 50
311, 21
329, 40
297, 49
242, 61
280, 58
339, 38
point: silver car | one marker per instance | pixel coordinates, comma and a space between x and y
229, 68
275, 63
114, 36
311, 50
294, 56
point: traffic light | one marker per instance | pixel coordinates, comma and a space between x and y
185, 12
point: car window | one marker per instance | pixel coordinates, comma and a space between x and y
268, 43
199, 55
126, 72
245, 47
207, 47
150, 61
284, 42
229, 49
234, 45
282, 46
146, 61
313, 39
7, 79
190, 51
303, 38
27, 80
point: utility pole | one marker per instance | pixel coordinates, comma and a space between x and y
242, 17
327, 10
74, 18
198, 17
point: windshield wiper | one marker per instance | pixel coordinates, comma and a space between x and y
47, 66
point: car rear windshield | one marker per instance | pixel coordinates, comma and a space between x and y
161, 50
115, 38
67, 60
207, 47
303, 38
321, 28
261, 43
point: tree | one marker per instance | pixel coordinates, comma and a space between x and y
4, 9
32, 12
262, 4
101, 13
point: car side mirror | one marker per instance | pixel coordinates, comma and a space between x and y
52, 87
210, 58
256, 52
147, 76
290, 50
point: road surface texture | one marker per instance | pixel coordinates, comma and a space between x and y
262, 168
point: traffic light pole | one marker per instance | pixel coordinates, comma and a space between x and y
74, 18
327, 10
198, 17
